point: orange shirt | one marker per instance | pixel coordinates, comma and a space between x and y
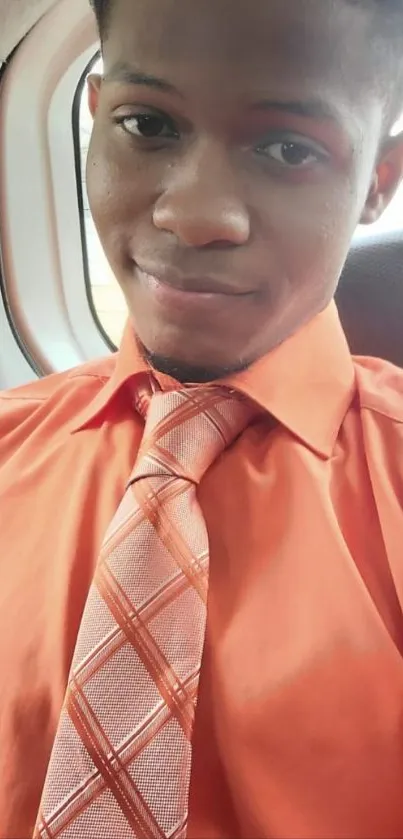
299, 728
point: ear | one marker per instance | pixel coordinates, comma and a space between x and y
94, 82
386, 179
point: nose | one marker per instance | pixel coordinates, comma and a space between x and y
201, 202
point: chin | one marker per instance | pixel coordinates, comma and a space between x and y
190, 374
193, 369
189, 352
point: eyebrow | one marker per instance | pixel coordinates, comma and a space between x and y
122, 72
312, 108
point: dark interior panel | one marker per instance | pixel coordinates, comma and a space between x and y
370, 297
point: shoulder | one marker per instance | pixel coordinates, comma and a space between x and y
71, 390
380, 387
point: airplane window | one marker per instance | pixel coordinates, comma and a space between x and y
107, 299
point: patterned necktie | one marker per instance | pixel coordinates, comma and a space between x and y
121, 761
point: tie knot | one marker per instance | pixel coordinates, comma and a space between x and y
187, 429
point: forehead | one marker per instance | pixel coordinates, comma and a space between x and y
236, 46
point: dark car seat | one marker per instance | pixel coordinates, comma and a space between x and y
370, 297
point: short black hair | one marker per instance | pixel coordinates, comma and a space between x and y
101, 9
388, 32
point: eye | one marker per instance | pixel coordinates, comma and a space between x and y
294, 154
148, 126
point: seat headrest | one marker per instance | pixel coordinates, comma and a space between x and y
370, 298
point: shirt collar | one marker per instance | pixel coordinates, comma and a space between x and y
307, 383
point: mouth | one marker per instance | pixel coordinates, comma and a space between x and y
198, 287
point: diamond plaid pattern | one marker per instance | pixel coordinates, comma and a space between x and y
121, 761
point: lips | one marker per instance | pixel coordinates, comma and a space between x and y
191, 284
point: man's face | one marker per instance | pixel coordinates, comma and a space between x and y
233, 150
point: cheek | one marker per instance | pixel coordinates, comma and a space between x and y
120, 190
311, 227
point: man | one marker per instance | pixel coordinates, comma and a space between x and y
236, 146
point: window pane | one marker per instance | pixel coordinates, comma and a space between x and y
107, 297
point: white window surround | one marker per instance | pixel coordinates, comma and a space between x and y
40, 232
